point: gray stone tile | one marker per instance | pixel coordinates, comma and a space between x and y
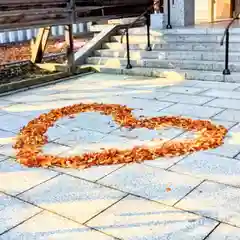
142, 134
225, 232
146, 113
116, 142
230, 148
225, 103
58, 131
192, 110
214, 200
24, 110
12, 122
181, 89
163, 162
82, 136
90, 121
4, 103
217, 85
136, 218
71, 197
138, 103
14, 211
6, 137
90, 174
2, 158
234, 130
7, 140
228, 115
149, 94
221, 94
226, 124
54, 149
151, 182
188, 99
211, 167
16, 178
57, 227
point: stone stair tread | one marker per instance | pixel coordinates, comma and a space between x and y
168, 51
165, 60
190, 46
160, 72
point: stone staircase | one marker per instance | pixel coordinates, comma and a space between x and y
187, 53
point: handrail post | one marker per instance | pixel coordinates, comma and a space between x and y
148, 22
169, 26
129, 66
226, 71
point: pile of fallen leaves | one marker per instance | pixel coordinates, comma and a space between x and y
22, 51
32, 137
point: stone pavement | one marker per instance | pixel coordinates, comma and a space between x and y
122, 201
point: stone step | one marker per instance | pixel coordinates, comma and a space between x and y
166, 73
173, 46
161, 63
100, 27
198, 30
169, 55
174, 38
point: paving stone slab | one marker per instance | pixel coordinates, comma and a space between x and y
56, 228
2, 158
58, 131
230, 148
7, 140
138, 103
25, 109
12, 123
90, 121
4, 103
146, 113
72, 197
14, 211
224, 103
164, 163
91, 174
151, 183
193, 110
221, 94
134, 218
149, 94
54, 149
188, 99
142, 134
83, 137
217, 85
181, 89
228, 115
214, 200
225, 232
211, 167
16, 178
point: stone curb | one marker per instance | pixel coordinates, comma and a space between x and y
36, 81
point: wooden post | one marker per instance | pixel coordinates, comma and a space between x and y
69, 46
39, 45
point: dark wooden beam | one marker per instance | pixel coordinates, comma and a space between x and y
69, 48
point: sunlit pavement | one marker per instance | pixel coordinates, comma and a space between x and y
189, 197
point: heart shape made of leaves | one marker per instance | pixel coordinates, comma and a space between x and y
32, 137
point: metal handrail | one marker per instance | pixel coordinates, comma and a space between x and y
126, 32
226, 71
